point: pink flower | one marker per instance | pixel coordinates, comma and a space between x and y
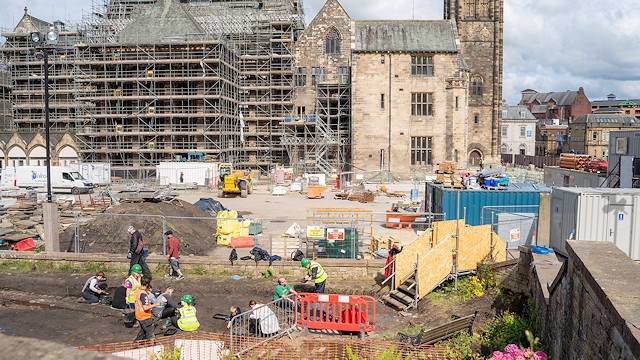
539, 355
511, 348
497, 355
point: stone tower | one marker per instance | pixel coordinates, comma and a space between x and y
480, 28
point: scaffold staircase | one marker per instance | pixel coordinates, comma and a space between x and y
436, 256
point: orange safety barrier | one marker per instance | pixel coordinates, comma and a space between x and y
355, 313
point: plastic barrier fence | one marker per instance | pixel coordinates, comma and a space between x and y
354, 313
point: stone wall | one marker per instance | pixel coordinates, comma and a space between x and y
335, 268
587, 304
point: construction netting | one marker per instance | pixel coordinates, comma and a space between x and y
209, 346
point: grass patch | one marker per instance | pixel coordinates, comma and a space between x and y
199, 271
16, 265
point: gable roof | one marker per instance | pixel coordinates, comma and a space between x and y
560, 98
29, 24
614, 119
163, 20
405, 36
517, 112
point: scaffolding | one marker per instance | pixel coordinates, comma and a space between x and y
135, 94
6, 118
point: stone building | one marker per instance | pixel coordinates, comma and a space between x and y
403, 95
625, 107
589, 134
242, 81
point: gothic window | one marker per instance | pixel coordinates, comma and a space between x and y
476, 86
483, 8
332, 45
470, 6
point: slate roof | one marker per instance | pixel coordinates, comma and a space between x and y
560, 98
405, 36
616, 103
616, 120
163, 21
514, 113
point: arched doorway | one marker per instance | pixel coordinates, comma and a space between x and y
474, 158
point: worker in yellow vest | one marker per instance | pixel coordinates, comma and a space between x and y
187, 320
132, 283
316, 273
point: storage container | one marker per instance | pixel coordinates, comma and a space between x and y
439, 200
596, 214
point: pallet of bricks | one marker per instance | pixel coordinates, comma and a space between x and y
574, 161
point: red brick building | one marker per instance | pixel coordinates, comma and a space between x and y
566, 105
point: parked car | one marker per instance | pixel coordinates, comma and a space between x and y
598, 165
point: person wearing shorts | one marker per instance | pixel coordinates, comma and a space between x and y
173, 254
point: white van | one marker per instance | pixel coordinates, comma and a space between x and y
63, 179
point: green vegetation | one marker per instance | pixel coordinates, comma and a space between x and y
510, 328
199, 271
390, 354
167, 355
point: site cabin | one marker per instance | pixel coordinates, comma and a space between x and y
63, 179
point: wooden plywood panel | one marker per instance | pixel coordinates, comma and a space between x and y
442, 229
475, 246
405, 261
435, 266
436, 263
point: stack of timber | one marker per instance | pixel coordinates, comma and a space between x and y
574, 161
446, 167
384, 242
449, 180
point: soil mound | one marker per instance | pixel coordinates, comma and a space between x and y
107, 232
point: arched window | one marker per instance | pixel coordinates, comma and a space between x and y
595, 136
332, 45
476, 86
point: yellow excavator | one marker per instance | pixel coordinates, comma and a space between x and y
234, 181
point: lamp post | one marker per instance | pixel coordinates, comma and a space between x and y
49, 209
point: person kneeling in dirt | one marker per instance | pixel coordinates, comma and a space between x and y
281, 292
262, 321
92, 290
233, 311
186, 319
143, 309
167, 307
120, 298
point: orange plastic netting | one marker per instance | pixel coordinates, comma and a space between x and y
205, 345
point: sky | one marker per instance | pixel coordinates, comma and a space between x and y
549, 45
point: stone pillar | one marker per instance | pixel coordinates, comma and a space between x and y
51, 236
544, 220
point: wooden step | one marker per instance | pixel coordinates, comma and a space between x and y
409, 291
400, 296
409, 281
393, 302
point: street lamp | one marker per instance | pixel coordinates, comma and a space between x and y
43, 43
